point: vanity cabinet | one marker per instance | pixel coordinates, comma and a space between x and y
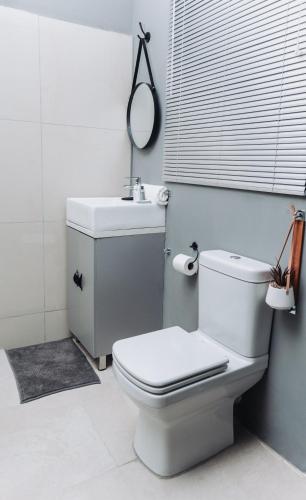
115, 288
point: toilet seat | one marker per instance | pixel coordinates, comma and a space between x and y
169, 388
166, 360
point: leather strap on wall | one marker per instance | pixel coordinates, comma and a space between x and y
295, 260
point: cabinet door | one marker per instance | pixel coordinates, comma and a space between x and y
128, 288
80, 284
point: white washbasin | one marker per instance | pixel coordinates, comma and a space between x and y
102, 217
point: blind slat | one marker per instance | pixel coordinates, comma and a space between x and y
235, 95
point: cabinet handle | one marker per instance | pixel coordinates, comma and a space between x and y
78, 279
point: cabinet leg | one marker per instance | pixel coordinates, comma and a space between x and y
102, 362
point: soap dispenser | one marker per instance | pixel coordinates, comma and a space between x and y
142, 195
137, 189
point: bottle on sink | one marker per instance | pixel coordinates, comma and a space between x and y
137, 190
141, 195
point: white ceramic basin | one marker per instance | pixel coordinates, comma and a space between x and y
100, 217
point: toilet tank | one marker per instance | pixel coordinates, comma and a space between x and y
232, 308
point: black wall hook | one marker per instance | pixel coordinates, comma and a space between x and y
146, 34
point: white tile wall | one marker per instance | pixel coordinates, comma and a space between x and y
19, 63
22, 330
56, 325
81, 161
63, 102
55, 266
93, 68
21, 269
21, 174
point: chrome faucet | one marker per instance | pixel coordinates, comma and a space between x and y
134, 183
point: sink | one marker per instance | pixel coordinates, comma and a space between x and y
103, 217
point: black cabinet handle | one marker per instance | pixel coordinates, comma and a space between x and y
78, 279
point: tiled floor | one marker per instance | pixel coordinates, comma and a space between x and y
77, 445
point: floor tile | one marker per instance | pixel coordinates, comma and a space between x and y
8, 390
43, 451
114, 418
246, 471
77, 445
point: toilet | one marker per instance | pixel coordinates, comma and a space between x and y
185, 384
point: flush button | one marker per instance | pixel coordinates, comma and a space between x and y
236, 257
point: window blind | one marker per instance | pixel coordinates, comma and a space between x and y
236, 95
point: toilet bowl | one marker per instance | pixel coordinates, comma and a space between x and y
185, 384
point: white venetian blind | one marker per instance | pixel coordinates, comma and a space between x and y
236, 95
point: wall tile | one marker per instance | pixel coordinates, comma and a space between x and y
21, 331
86, 75
85, 81
55, 265
82, 162
21, 180
56, 325
21, 269
19, 63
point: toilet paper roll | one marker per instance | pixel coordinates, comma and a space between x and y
185, 264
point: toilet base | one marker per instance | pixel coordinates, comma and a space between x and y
168, 444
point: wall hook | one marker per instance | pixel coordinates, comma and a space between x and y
146, 34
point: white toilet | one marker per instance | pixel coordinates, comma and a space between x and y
185, 384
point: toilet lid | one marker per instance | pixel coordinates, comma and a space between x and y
165, 357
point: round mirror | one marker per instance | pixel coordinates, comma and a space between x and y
142, 115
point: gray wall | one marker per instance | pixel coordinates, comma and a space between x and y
155, 17
113, 15
249, 223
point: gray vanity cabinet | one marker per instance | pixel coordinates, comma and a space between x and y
115, 287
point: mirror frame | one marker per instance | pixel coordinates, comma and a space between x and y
155, 127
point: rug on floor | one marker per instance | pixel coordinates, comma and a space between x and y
44, 369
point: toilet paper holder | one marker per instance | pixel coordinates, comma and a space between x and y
187, 264
195, 248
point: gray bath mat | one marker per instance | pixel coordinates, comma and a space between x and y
44, 369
